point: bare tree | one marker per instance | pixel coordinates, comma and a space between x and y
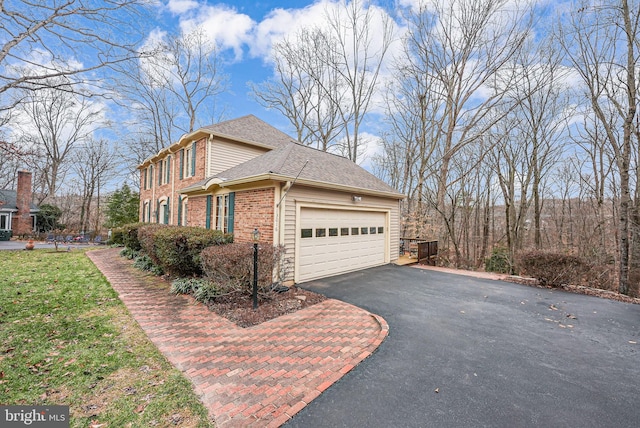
325, 78
189, 68
172, 91
53, 122
601, 44
305, 88
93, 164
360, 49
41, 42
467, 44
542, 104
451, 91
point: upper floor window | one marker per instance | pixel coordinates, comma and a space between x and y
164, 171
149, 178
188, 161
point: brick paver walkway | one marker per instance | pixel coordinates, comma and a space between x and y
257, 376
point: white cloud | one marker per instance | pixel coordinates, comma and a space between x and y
225, 26
179, 7
282, 22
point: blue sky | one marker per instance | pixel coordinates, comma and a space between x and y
248, 64
244, 31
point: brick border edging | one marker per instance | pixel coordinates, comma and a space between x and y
262, 410
369, 350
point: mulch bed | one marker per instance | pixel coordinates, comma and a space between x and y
239, 308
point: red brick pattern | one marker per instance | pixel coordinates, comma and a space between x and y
254, 209
197, 211
21, 224
258, 376
157, 191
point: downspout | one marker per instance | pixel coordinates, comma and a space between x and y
279, 220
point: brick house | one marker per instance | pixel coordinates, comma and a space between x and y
17, 213
331, 215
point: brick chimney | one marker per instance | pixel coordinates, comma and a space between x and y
22, 220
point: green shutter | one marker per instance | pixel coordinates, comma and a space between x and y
144, 179
160, 173
150, 176
208, 218
168, 171
181, 164
158, 212
166, 212
193, 159
179, 210
232, 199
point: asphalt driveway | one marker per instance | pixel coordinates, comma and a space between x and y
467, 352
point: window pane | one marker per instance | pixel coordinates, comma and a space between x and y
381, 230
364, 230
355, 231
372, 230
333, 231
222, 213
320, 233
306, 233
344, 231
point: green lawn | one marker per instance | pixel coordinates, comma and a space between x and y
65, 338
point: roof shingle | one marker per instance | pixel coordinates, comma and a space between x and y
289, 161
250, 128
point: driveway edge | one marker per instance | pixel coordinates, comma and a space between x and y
258, 376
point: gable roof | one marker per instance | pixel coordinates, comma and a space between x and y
246, 129
9, 201
310, 166
251, 129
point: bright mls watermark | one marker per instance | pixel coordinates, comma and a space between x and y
34, 416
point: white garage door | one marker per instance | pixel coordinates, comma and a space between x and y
331, 242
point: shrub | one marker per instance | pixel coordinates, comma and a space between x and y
177, 249
127, 235
499, 261
128, 253
145, 234
231, 266
117, 237
143, 262
553, 269
206, 292
187, 285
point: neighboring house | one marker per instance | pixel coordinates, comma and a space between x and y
331, 215
17, 212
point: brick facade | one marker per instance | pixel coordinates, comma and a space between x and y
22, 223
197, 211
254, 209
157, 191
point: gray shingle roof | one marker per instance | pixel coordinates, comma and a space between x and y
250, 128
8, 201
322, 167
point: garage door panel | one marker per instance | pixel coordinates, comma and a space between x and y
320, 256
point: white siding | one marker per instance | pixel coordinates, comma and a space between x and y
224, 155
